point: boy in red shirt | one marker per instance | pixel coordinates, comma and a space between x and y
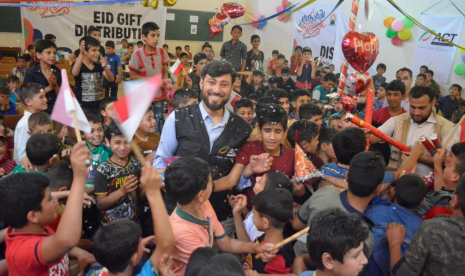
395, 91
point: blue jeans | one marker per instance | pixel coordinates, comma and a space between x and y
158, 112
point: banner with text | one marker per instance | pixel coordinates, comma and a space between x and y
432, 51
69, 24
322, 38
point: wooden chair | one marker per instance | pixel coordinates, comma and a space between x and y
11, 121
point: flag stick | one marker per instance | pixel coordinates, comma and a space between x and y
369, 110
288, 240
137, 152
76, 126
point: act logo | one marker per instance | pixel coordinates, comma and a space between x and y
436, 40
223, 150
228, 151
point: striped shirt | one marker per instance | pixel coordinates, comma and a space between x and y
148, 65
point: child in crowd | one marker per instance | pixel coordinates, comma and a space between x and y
33, 96
127, 57
246, 230
107, 111
184, 58
187, 49
331, 250
276, 71
273, 62
457, 115
284, 81
42, 151
408, 193
378, 79
207, 49
13, 83
124, 49
114, 61
296, 58
272, 209
88, 74
140, 44
256, 86
381, 92
7, 107
45, 72
20, 70
321, 91
306, 134
325, 144
53, 38
311, 112
27, 206
255, 57
282, 96
178, 51
94, 33
120, 257
192, 80
234, 50
299, 97
305, 70
420, 79
116, 180
6, 164
167, 49
145, 136
188, 182
31, 58
184, 97
40, 122
448, 104
244, 108
334, 122
99, 151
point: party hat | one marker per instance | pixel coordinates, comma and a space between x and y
304, 168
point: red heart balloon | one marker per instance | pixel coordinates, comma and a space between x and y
215, 29
357, 82
360, 49
349, 103
222, 19
234, 10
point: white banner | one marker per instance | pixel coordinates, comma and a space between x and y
432, 51
69, 24
322, 38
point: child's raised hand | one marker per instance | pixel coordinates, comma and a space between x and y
82, 48
103, 62
150, 240
80, 159
240, 203
440, 157
150, 180
52, 80
261, 163
129, 184
165, 265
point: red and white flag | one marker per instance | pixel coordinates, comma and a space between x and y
455, 135
131, 108
176, 68
66, 104
233, 98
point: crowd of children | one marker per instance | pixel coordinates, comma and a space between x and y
219, 190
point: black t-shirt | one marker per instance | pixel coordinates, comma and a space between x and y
255, 61
89, 84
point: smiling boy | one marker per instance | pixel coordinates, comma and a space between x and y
234, 50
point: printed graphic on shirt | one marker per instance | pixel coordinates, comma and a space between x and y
91, 86
61, 268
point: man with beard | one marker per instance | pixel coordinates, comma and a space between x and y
408, 127
208, 131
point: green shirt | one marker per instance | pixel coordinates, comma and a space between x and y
18, 169
319, 94
98, 155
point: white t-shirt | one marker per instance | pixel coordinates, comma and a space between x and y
251, 228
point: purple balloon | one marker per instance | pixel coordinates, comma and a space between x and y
463, 57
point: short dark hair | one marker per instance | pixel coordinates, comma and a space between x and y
285, 70
38, 119
330, 77
419, 91
110, 44
183, 54
277, 93
91, 42
12, 78
60, 175
307, 132
130, 45
275, 205
273, 114
308, 110
281, 56
263, 103
140, 42
21, 57
299, 93
186, 46
5, 91
165, 45
43, 44
112, 131
421, 75
460, 166
49, 37
424, 66
148, 27
253, 96
241, 103
459, 191
30, 47
275, 52
257, 73
297, 48
254, 37
94, 118
40, 147
458, 148
185, 178
115, 243
334, 117
206, 46
404, 69
219, 68
348, 143
458, 86
429, 71
178, 48
124, 39
382, 66
198, 259
183, 95
278, 180
29, 90
236, 27
106, 101
222, 264
330, 234
92, 29
396, 85
410, 190
21, 193
366, 172
327, 135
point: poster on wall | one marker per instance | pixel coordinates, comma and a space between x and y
322, 38
432, 51
69, 24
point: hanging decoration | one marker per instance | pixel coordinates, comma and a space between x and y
398, 30
228, 10
360, 49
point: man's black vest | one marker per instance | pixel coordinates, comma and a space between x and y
193, 141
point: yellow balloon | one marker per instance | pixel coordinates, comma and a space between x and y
169, 3
404, 34
388, 21
155, 4
145, 3
462, 51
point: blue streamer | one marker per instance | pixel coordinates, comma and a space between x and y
43, 5
287, 9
